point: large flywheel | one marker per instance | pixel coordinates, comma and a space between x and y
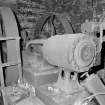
9, 44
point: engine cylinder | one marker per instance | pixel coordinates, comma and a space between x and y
74, 51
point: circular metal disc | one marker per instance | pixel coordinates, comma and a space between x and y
10, 29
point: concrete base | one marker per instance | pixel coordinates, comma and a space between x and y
51, 98
40, 78
31, 101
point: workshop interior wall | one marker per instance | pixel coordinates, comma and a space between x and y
29, 11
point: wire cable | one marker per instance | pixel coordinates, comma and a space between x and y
92, 96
